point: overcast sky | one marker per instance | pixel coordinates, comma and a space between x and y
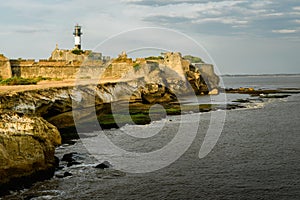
241, 36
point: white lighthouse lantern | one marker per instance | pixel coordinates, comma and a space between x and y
77, 36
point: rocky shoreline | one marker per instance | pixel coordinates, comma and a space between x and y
28, 137
34, 122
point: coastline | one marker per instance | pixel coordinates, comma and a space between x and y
140, 108
30, 110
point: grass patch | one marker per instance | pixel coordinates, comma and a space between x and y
22, 81
19, 81
154, 58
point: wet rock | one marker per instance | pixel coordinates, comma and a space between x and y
65, 174
214, 92
103, 165
73, 163
241, 101
69, 157
274, 96
56, 161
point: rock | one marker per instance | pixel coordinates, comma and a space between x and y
73, 163
65, 174
214, 92
211, 80
27, 146
69, 157
56, 161
103, 165
154, 93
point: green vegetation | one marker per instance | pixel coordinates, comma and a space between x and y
18, 81
154, 58
121, 59
193, 59
136, 66
77, 51
22, 81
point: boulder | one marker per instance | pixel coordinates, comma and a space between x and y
27, 146
103, 165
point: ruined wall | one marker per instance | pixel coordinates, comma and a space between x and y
55, 69
69, 55
5, 69
92, 67
175, 61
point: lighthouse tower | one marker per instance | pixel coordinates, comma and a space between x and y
77, 39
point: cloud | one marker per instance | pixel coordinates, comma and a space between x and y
226, 20
296, 8
276, 14
284, 31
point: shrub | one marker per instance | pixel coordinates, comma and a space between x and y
193, 59
136, 67
19, 81
154, 58
22, 81
77, 51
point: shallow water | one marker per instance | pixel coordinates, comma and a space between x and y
256, 157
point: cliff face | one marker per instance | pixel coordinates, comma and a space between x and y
27, 140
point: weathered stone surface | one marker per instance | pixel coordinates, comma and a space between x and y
27, 146
5, 68
209, 76
214, 92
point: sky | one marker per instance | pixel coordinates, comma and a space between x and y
238, 36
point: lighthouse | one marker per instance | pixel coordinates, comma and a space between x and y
77, 39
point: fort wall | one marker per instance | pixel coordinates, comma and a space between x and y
5, 68
63, 65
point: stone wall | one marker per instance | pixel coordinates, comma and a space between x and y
175, 61
55, 69
5, 69
64, 64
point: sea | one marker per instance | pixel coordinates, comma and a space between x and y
251, 153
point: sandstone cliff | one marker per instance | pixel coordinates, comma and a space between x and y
27, 140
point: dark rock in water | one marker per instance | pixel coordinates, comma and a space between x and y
67, 174
274, 96
69, 157
56, 161
241, 101
63, 175
104, 165
73, 163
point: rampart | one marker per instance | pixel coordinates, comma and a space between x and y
66, 64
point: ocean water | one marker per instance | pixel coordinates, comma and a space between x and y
257, 156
